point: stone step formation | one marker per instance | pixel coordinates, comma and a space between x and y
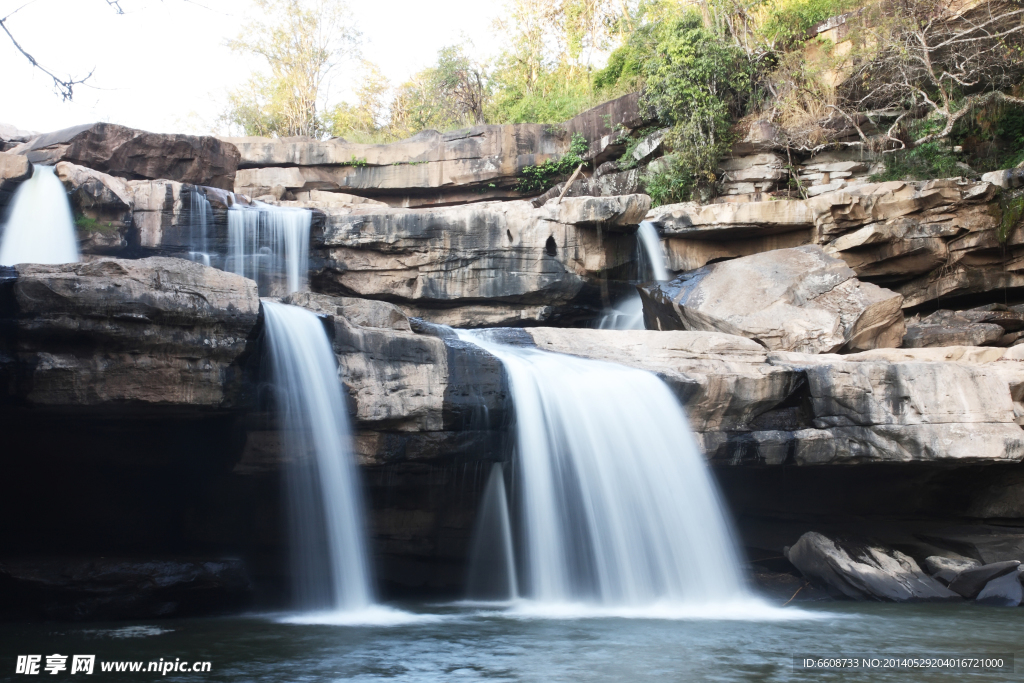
849, 361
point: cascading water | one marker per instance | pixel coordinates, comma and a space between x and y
492, 565
329, 555
40, 227
269, 244
200, 220
616, 502
629, 313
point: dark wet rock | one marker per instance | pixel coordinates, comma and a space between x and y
864, 571
988, 543
987, 325
110, 588
945, 569
970, 582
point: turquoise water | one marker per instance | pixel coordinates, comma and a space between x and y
477, 643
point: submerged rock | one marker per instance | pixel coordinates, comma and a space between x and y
797, 299
865, 572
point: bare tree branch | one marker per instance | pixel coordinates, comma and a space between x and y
65, 87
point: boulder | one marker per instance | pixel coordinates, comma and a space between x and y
970, 582
945, 569
797, 299
12, 136
148, 332
1004, 591
137, 155
865, 571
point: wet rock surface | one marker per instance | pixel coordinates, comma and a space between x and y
865, 571
111, 589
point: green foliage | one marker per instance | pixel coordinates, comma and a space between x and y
699, 84
357, 162
553, 97
1012, 205
537, 179
790, 21
301, 43
626, 161
87, 224
667, 182
933, 159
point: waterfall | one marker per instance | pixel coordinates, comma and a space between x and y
492, 565
200, 219
329, 554
629, 313
269, 244
40, 227
616, 504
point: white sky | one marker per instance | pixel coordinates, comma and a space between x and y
163, 65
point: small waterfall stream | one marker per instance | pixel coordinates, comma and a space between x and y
40, 227
330, 563
200, 221
629, 313
492, 564
616, 503
269, 244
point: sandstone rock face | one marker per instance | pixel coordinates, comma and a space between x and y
168, 332
991, 325
750, 406
136, 155
106, 204
515, 261
429, 168
607, 185
928, 240
790, 300
481, 163
14, 170
865, 572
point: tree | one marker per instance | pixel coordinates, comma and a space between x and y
368, 119
302, 42
544, 75
936, 61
